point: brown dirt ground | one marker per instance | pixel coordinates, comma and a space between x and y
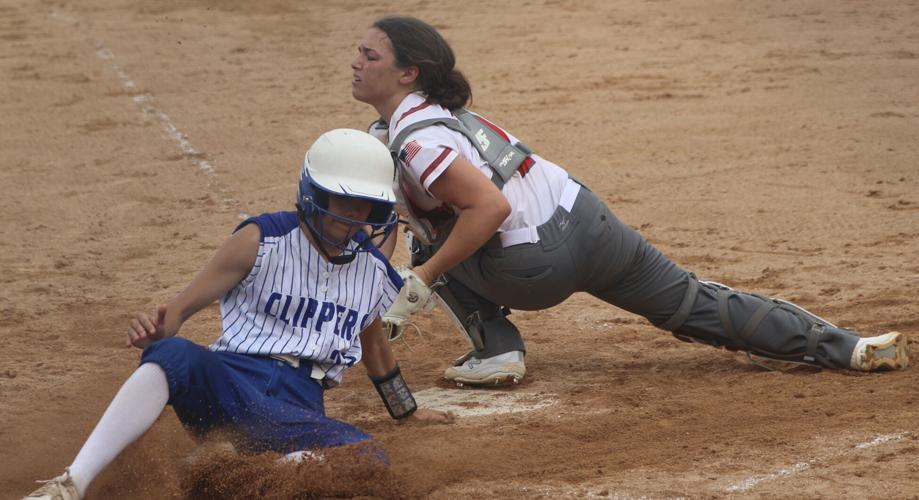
768, 145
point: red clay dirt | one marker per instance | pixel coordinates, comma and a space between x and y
768, 145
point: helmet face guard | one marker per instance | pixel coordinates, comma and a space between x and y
313, 207
351, 164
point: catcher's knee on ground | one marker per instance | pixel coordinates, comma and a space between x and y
714, 314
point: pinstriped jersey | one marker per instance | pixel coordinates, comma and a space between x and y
295, 302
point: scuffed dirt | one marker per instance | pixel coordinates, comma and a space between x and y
767, 145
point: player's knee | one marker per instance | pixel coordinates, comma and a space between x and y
172, 348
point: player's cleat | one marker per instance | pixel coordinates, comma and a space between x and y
883, 352
302, 456
59, 488
496, 370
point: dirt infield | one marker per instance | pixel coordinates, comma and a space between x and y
771, 146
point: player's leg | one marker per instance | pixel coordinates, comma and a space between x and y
780, 330
283, 426
263, 403
498, 351
134, 409
287, 413
526, 276
259, 402
672, 299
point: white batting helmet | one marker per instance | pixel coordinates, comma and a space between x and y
350, 163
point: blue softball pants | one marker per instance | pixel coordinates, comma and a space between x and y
265, 404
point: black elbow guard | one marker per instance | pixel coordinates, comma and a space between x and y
395, 394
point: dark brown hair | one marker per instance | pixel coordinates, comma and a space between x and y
417, 43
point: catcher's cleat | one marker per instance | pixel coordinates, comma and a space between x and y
497, 370
883, 352
59, 488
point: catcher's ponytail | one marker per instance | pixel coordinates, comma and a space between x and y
416, 43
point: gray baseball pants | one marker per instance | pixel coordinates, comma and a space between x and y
591, 250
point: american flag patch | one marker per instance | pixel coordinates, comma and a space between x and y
409, 151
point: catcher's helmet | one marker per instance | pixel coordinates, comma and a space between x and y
347, 162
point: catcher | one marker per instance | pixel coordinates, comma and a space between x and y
301, 294
497, 227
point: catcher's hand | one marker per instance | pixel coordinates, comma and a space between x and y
414, 296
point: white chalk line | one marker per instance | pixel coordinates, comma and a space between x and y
63, 17
582, 492
144, 100
151, 113
508, 488
882, 439
788, 471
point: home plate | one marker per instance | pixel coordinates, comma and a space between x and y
476, 403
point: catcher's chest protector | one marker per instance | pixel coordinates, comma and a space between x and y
503, 157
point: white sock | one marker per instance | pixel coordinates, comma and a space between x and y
133, 410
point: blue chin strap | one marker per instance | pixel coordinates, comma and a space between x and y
312, 206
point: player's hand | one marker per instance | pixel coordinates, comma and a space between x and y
146, 329
429, 416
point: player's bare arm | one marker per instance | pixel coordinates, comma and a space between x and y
379, 361
482, 210
377, 355
229, 265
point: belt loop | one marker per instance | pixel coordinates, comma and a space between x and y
494, 242
569, 195
534, 234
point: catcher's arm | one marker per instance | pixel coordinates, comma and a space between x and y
387, 378
482, 211
229, 265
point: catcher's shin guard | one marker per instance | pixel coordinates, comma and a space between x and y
484, 324
714, 322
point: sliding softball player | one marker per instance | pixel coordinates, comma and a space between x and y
301, 295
